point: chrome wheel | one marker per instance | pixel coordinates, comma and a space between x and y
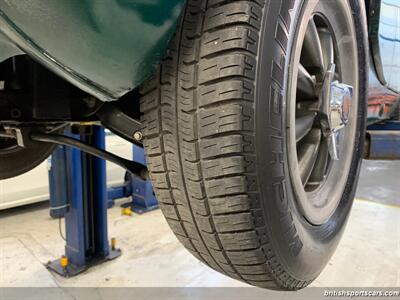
322, 107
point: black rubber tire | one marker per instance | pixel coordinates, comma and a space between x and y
21, 160
214, 133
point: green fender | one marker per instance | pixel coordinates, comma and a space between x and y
105, 47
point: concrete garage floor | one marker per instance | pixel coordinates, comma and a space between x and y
368, 255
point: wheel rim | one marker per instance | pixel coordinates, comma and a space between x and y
322, 109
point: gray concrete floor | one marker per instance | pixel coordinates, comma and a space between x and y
368, 255
380, 182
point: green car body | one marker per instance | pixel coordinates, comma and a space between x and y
106, 48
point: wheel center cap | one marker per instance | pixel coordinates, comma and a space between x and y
339, 108
335, 103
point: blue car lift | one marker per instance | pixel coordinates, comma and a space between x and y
78, 191
140, 190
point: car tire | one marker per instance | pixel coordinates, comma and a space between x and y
217, 130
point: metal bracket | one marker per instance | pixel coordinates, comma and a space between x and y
13, 133
120, 123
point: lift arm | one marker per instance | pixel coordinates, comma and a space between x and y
131, 166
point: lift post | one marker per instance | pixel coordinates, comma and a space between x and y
79, 181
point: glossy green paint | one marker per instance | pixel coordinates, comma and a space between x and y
106, 47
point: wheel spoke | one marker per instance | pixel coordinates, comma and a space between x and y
307, 155
305, 84
304, 125
327, 46
312, 55
319, 171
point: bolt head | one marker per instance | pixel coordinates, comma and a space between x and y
138, 136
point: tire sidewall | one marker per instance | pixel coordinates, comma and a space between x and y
302, 249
